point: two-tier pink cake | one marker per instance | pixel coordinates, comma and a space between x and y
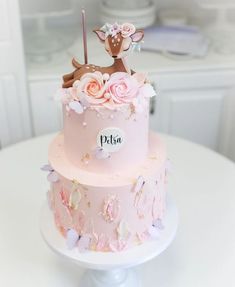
107, 172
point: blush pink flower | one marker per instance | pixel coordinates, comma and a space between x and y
92, 87
122, 88
127, 29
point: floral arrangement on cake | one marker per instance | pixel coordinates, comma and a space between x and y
96, 89
125, 29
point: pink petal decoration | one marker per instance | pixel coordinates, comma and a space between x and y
84, 243
114, 246
102, 241
76, 107
139, 184
117, 245
53, 176
47, 167
79, 219
110, 208
71, 238
64, 198
50, 199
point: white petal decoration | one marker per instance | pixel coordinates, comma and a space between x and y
139, 184
123, 231
71, 238
74, 199
147, 91
154, 232
76, 107
53, 176
158, 224
84, 243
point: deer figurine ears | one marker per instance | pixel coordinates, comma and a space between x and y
100, 34
135, 37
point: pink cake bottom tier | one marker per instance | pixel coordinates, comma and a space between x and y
109, 212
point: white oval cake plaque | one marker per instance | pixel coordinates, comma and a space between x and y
111, 139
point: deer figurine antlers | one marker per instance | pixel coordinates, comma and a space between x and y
118, 41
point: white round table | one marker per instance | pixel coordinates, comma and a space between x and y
203, 253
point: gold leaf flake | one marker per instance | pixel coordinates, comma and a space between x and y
86, 158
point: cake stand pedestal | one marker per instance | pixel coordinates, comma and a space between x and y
106, 269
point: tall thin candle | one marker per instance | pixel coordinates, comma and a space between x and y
84, 36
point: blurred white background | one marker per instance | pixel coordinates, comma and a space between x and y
196, 94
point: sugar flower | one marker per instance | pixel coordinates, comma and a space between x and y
127, 29
122, 88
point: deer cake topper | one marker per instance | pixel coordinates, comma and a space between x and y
118, 41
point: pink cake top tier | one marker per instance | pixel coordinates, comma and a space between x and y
106, 108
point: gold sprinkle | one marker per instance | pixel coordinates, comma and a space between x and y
132, 111
86, 158
153, 157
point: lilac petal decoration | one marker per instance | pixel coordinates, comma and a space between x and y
83, 100
139, 184
76, 107
72, 238
158, 224
100, 153
47, 167
154, 232
84, 243
53, 176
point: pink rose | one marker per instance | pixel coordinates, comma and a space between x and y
127, 29
122, 88
91, 85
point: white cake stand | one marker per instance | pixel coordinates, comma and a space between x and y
106, 269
